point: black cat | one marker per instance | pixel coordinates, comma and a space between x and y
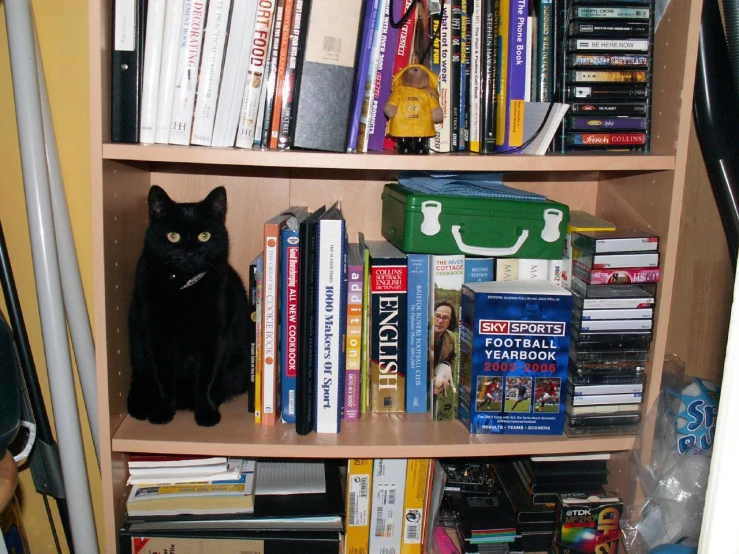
188, 316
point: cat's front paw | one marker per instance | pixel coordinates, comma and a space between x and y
138, 404
161, 413
207, 417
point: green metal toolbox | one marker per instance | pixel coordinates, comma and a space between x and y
503, 228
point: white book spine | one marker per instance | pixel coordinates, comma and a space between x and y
259, 50
388, 496
443, 140
506, 269
530, 269
328, 329
234, 73
186, 76
152, 65
554, 274
475, 73
209, 80
168, 66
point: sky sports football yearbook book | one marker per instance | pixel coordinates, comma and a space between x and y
515, 340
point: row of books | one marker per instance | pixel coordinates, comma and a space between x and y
341, 328
272, 75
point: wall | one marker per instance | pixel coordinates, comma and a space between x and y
62, 32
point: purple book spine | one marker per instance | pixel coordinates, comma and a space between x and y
365, 57
517, 47
352, 381
383, 81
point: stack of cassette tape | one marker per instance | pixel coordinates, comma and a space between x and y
607, 74
614, 281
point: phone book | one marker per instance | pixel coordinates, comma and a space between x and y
515, 339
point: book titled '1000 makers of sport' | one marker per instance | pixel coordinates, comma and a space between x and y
514, 352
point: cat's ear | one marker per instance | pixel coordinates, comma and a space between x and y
215, 203
158, 201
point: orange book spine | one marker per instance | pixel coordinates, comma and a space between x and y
270, 295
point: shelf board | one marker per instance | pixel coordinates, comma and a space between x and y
386, 160
373, 436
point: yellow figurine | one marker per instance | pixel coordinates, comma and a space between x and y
413, 108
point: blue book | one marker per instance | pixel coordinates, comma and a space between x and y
416, 384
514, 343
289, 291
478, 270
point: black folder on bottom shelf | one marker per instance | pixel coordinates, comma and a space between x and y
229, 542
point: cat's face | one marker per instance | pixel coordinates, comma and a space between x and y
186, 237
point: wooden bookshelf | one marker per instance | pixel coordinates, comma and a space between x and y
644, 191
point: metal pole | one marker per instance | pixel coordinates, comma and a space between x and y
74, 296
19, 24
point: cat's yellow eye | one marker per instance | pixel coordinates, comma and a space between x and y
173, 237
204, 236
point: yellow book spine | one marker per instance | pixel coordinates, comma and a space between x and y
416, 480
501, 96
358, 489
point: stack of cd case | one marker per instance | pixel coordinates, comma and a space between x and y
611, 332
606, 75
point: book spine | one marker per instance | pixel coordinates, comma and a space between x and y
468, 395
389, 348
236, 61
359, 487
532, 269
402, 54
388, 495
329, 333
445, 290
289, 290
517, 76
555, 272
443, 139
255, 74
530, 53
188, 65
478, 270
259, 124
258, 346
416, 392
366, 334
283, 57
416, 479
252, 323
127, 61
210, 72
501, 87
491, 75
363, 64
506, 269
455, 73
305, 383
274, 62
270, 328
300, 13
355, 294
545, 50
168, 69
152, 66
366, 120
475, 92
383, 82
464, 76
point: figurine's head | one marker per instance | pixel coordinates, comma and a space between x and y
417, 76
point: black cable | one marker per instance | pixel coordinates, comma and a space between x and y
51, 523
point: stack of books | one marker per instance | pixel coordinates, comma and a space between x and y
614, 276
272, 507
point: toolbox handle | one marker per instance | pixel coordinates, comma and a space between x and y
483, 251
